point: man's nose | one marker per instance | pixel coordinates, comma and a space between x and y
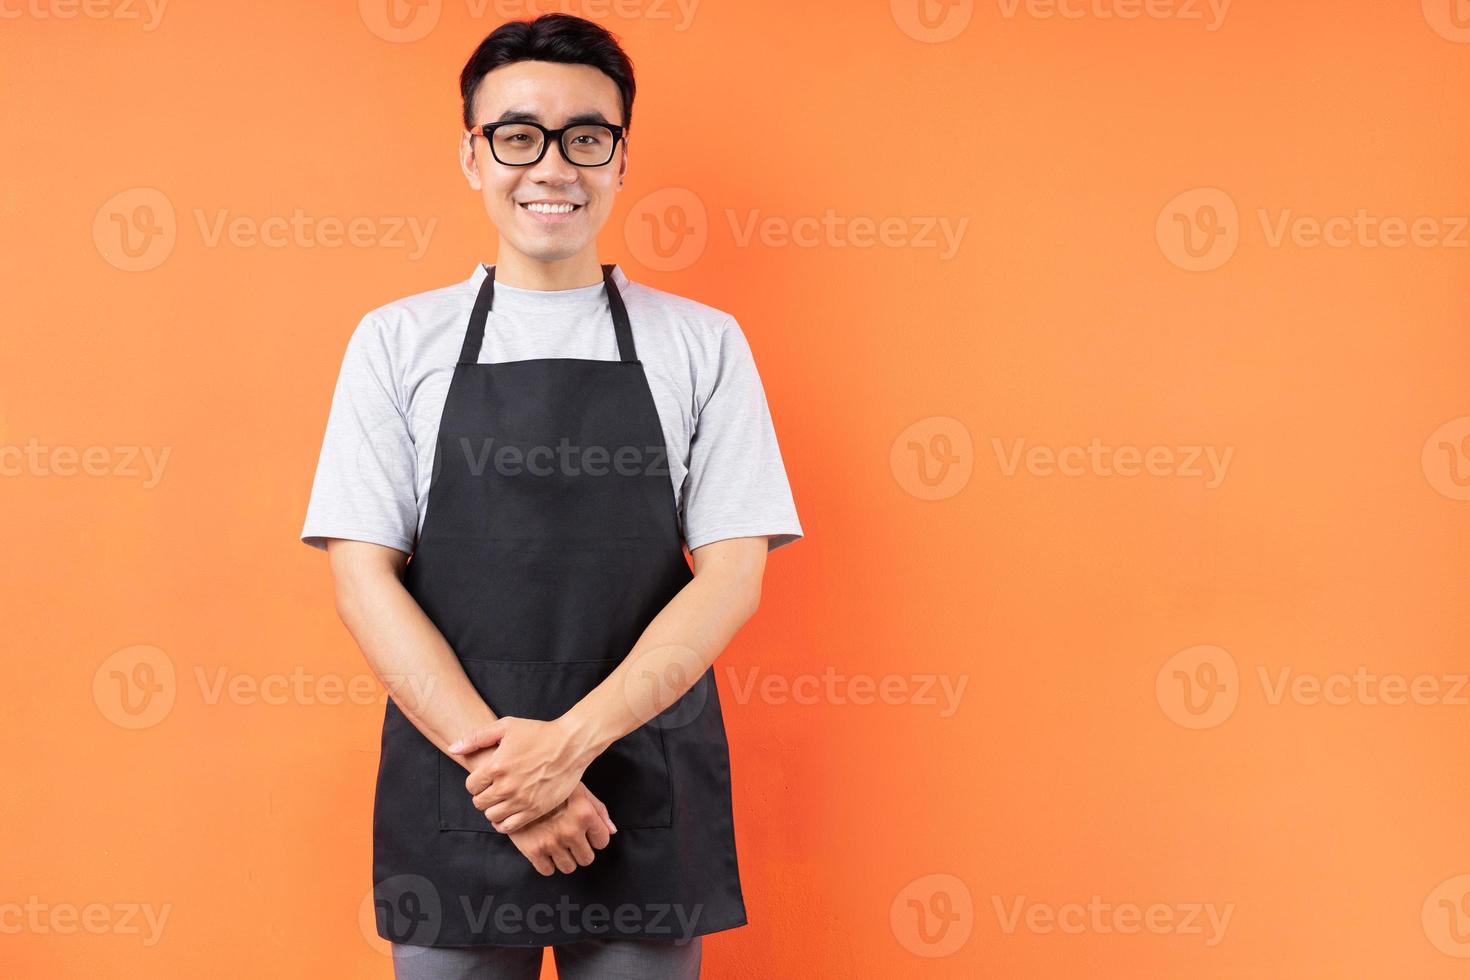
553, 166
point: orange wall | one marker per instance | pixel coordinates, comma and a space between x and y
1132, 201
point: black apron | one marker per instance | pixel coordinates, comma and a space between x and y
544, 554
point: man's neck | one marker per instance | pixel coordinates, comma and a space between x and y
514, 269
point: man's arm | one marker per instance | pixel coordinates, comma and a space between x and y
417, 665
403, 646
678, 646
535, 764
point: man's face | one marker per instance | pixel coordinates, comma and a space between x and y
548, 93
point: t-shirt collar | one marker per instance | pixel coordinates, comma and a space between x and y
618, 276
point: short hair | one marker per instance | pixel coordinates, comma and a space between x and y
558, 37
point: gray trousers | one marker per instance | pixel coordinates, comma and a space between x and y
591, 959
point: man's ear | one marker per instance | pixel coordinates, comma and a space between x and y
467, 162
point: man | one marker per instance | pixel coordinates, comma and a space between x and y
513, 466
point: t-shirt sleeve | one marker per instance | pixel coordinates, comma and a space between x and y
364, 484
736, 485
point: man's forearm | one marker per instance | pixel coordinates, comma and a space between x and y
675, 649
409, 654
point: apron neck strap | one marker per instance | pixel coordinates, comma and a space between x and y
475, 336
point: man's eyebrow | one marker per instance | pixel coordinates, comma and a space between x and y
580, 119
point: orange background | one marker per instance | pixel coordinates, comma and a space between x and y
1076, 764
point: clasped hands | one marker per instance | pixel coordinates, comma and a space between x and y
529, 787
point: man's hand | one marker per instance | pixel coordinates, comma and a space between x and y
535, 767
565, 838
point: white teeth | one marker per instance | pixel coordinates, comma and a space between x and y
550, 208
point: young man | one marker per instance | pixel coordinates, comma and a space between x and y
544, 440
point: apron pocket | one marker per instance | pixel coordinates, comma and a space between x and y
631, 777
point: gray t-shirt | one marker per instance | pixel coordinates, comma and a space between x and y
372, 479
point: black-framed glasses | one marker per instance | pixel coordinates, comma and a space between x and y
521, 144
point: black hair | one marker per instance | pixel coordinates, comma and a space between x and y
557, 37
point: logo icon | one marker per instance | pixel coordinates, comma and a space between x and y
1450, 19
405, 909
1446, 458
1199, 687
1199, 229
683, 671
135, 229
933, 916
1446, 917
932, 21
667, 230
400, 21
933, 458
135, 688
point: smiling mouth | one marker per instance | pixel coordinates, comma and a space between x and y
551, 208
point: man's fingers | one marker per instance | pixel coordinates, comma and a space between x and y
581, 850
564, 861
501, 813
518, 821
484, 737
533, 851
486, 798
602, 812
